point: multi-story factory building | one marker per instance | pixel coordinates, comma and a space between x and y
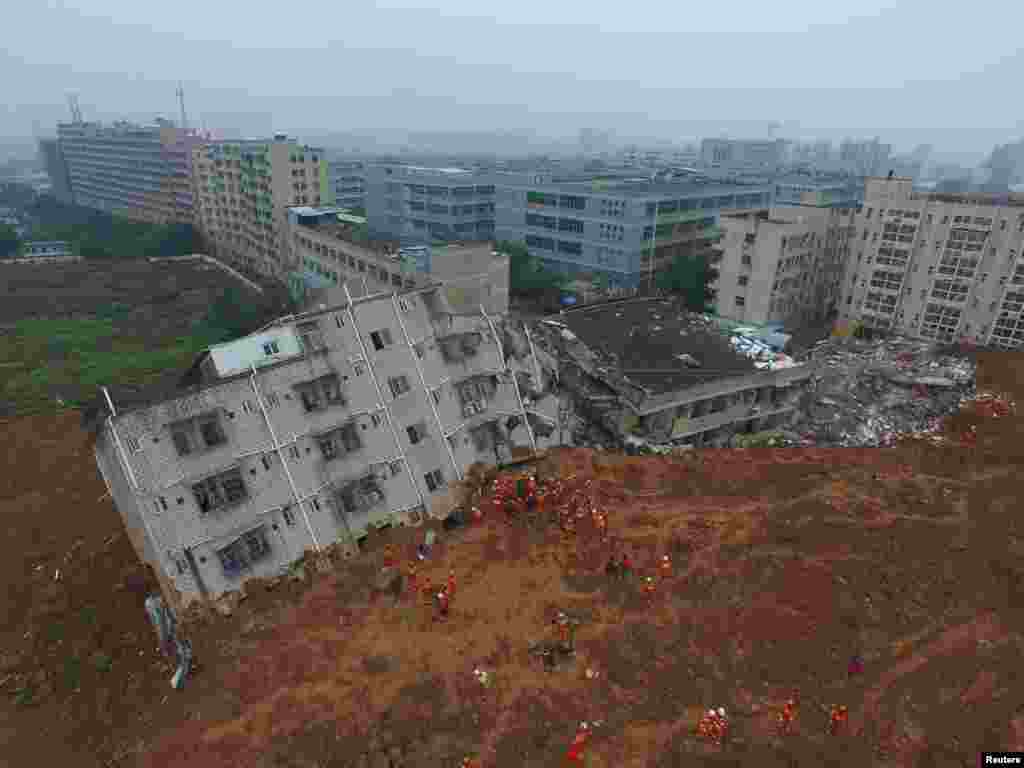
625, 230
313, 431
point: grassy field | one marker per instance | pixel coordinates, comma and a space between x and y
43, 360
66, 331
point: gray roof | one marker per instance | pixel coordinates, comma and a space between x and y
652, 190
640, 340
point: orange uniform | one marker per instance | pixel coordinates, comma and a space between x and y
840, 714
666, 567
451, 583
649, 586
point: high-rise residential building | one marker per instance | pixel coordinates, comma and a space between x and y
937, 266
348, 178
141, 172
243, 190
783, 265
765, 156
314, 431
421, 204
626, 231
52, 155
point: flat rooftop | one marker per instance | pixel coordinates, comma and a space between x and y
642, 339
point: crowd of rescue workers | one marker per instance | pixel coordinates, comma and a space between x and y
569, 504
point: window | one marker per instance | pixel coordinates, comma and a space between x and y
293, 451
133, 444
742, 280
311, 338
434, 479
320, 393
358, 368
403, 305
339, 321
740, 301
248, 407
746, 260
198, 434
340, 442
289, 516
270, 348
381, 339
416, 432
240, 554
220, 491
566, 246
399, 385
360, 495
273, 400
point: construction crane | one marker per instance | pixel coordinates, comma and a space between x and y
76, 110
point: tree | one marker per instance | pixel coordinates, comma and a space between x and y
691, 277
9, 241
526, 273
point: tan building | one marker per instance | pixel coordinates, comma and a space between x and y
243, 190
937, 266
783, 265
474, 274
314, 430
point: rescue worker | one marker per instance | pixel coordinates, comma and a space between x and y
856, 666
788, 715
837, 720
611, 570
428, 591
665, 566
471, 762
476, 514
389, 556
564, 628
575, 754
442, 604
451, 582
649, 587
411, 578
627, 566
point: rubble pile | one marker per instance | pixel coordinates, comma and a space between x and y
872, 393
762, 347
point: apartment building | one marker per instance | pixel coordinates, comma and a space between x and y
743, 155
141, 172
52, 155
243, 190
348, 179
649, 371
421, 204
314, 430
782, 265
322, 241
937, 266
625, 230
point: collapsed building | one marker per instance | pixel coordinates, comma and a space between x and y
314, 430
647, 372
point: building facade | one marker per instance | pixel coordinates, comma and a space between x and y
314, 430
348, 179
52, 155
474, 273
783, 265
419, 204
626, 231
243, 190
937, 266
819, 191
139, 172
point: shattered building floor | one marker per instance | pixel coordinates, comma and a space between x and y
786, 564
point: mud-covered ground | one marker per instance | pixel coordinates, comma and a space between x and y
786, 563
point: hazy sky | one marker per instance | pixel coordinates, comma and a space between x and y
912, 74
